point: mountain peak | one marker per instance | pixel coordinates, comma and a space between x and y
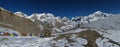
20, 14
98, 12
2, 8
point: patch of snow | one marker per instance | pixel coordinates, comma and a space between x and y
104, 43
27, 41
82, 41
113, 34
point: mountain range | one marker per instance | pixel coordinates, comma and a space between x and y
95, 30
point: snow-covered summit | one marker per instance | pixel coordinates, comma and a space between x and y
92, 17
43, 17
112, 22
99, 14
20, 14
2, 8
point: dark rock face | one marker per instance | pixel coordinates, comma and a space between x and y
23, 25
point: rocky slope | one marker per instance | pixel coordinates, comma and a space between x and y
12, 21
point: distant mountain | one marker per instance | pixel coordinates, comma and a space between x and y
109, 23
92, 17
20, 14
99, 20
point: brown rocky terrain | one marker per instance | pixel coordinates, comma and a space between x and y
21, 24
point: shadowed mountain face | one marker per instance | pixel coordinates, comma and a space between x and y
21, 24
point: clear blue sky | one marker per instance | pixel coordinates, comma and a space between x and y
68, 8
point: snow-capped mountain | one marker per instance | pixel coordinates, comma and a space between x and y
42, 17
92, 17
110, 23
65, 20
20, 14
